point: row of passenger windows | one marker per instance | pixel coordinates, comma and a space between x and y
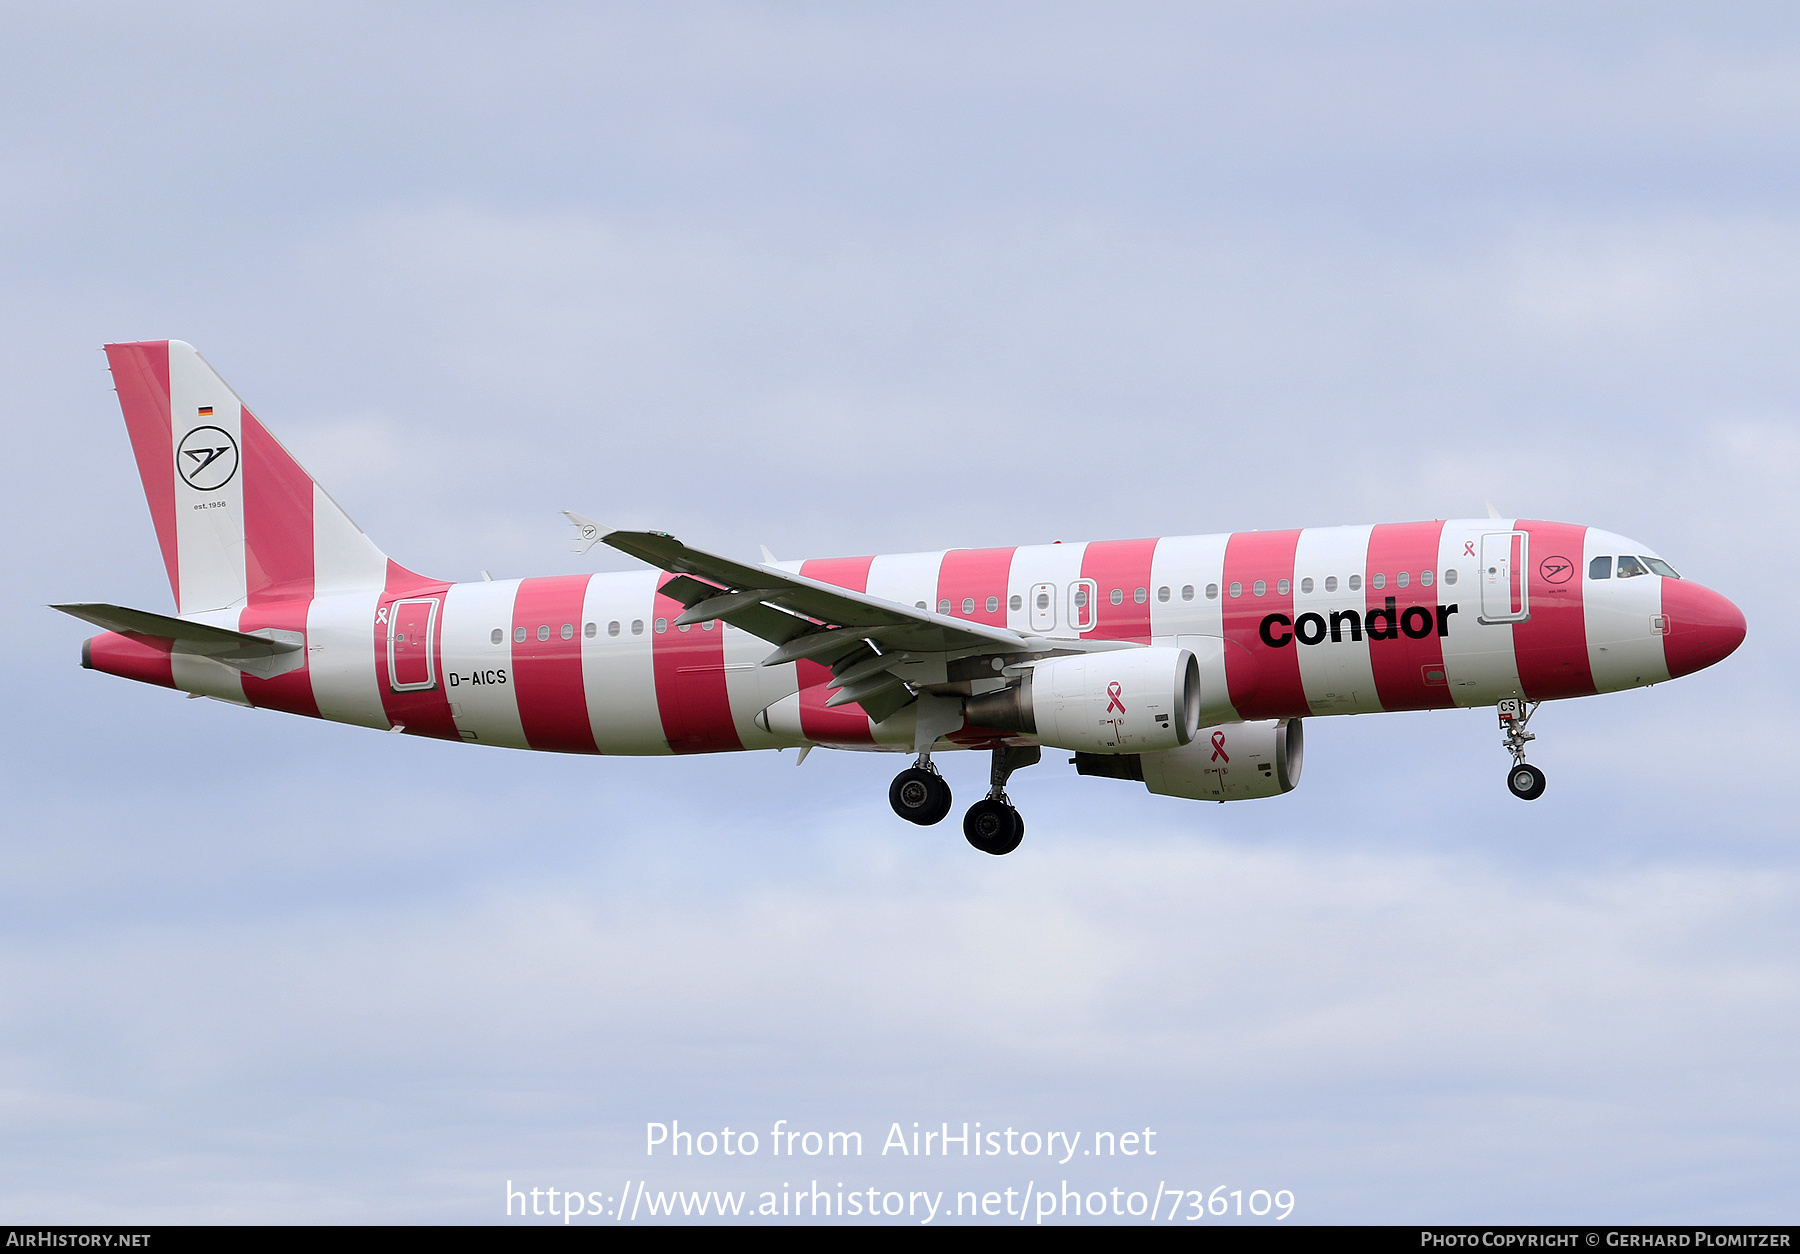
590, 630
1140, 596
1164, 593
1630, 567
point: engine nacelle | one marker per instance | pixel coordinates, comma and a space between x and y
1234, 762
1120, 701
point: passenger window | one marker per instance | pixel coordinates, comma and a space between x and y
544, 632
662, 625
637, 626
1043, 600
1378, 581
1600, 568
1162, 594
498, 636
612, 628
1355, 583
591, 630
1237, 589
1018, 602
968, 605
1118, 596
1331, 583
1282, 587
1425, 578
1450, 575
944, 606
1306, 585
1403, 578
1141, 595
1661, 567
918, 605
519, 635
1630, 567
568, 631
993, 605
1081, 598
1260, 586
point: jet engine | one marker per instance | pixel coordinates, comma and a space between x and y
1234, 762
1120, 701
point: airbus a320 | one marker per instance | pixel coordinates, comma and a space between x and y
1186, 663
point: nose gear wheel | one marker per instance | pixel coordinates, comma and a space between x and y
1524, 781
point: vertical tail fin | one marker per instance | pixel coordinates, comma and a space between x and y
238, 519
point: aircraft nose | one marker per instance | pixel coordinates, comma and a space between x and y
1703, 627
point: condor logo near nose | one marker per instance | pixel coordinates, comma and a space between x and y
1415, 622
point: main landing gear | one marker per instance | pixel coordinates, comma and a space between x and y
920, 795
992, 825
1524, 781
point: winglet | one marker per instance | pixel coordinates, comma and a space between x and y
587, 532
1492, 512
768, 557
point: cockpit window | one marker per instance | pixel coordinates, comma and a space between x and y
1600, 568
1660, 567
1630, 567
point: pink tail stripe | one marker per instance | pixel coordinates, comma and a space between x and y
141, 377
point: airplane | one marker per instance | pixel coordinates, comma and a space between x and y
1187, 663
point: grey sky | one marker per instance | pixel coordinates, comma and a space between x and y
848, 281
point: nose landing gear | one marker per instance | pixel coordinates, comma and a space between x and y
992, 825
919, 794
1524, 781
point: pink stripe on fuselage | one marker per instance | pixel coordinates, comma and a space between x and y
1122, 566
975, 576
1551, 645
424, 712
690, 682
132, 656
845, 724
1409, 671
1263, 682
547, 681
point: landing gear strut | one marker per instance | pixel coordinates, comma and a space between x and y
1524, 781
919, 794
992, 825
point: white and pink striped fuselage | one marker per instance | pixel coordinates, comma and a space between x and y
1285, 624
1186, 663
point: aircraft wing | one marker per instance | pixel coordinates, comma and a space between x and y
880, 652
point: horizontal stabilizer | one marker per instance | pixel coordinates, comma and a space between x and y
196, 637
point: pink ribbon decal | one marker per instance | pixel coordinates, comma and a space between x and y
1113, 692
1218, 739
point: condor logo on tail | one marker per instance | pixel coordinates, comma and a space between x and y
1415, 622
